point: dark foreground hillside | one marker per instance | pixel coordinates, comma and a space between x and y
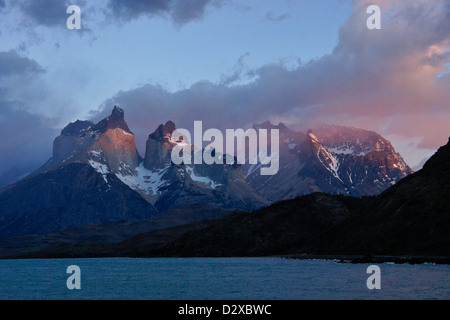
413, 217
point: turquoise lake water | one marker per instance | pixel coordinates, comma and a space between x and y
218, 279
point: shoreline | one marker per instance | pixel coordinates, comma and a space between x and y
365, 259
352, 259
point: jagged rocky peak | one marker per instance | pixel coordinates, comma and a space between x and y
65, 143
164, 131
342, 140
289, 139
107, 144
118, 112
269, 126
114, 121
77, 128
159, 146
116, 145
312, 139
349, 140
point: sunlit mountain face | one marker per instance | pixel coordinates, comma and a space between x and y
330, 159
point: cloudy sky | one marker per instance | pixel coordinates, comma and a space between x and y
229, 63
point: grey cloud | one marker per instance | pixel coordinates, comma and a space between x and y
411, 26
51, 13
132, 9
48, 13
26, 142
26, 137
179, 11
185, 11
45, 12
11, 63
238, 71
20, 79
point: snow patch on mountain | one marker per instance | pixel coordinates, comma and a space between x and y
124, 132
347, 148
148, 181
96, 153
204, 180
100, 168
330, 162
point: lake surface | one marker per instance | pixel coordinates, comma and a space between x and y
222, 279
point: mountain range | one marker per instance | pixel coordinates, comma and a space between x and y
409, 222
96, 176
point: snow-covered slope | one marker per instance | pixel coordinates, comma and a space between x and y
368, 162
219, 185
330, 159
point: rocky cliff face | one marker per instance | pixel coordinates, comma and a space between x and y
330, 159
80, 184
167, 185
368, 163
108, 145
65, 143
158, 147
